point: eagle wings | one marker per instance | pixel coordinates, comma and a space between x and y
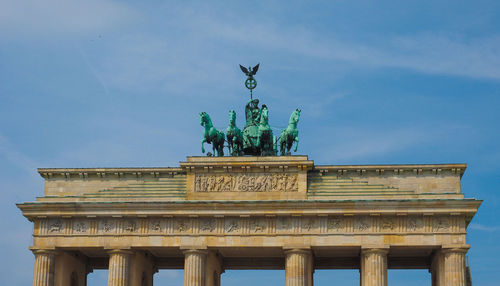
251, 72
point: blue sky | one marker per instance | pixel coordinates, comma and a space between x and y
102, 83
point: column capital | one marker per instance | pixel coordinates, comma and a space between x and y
41, 251
297, 250
194, 251
120, 251
379, 250
455, 250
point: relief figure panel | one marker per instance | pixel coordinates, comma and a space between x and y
246, 182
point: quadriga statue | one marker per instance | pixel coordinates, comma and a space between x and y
211, 135
266, 142
234, 136
290, 134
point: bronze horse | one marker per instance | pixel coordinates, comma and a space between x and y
211, 135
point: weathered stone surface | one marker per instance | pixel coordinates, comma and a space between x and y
222, 213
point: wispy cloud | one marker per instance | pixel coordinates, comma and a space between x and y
61, 18
189, 56
482, 227
434, 53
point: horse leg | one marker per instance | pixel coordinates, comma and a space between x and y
296, 144
275, 148
289, 144
220, 152
202, 147
230, 146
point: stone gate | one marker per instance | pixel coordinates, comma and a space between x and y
212, 214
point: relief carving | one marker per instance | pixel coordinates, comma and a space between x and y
107, 225
388, 223
336, 224
361, 224
207, 224
80, 226
308, 224
155, 225
182, 225
232, 225
56, 226
413, 224
283, 224
441, 223
130, 226
264, 182
257, 225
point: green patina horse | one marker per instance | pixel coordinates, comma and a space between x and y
234, 136
265, 139
290, 134
211, 135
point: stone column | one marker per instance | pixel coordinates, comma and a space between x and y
298, 267
119, 261
437, 269
43, 272
142, 269
213, 269
454, 266
374, 267
194, 267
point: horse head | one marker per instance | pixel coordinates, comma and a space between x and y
264, 114
232, 117
204, 118
294, 118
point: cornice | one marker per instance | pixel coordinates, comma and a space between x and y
247, 163
467, 207
393, 169
49, 173
300, 162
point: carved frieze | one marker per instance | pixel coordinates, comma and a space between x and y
56, 226
130, 225
414, 224
107, 226
258, 225
232, 225
283, 224
310, 224
253, 225
336, 224
80, 226
441, 224
388, 224
361, 224
155, 225
182, 225
207, 225
246, 182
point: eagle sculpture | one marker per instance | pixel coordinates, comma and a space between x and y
250, 72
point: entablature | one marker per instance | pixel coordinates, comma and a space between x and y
467, 207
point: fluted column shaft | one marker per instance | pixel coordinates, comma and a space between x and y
298, 268
437, 270
119, 262
454, 267
194, 267
43, 272
374, 267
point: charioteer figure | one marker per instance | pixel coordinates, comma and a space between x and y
257, 137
